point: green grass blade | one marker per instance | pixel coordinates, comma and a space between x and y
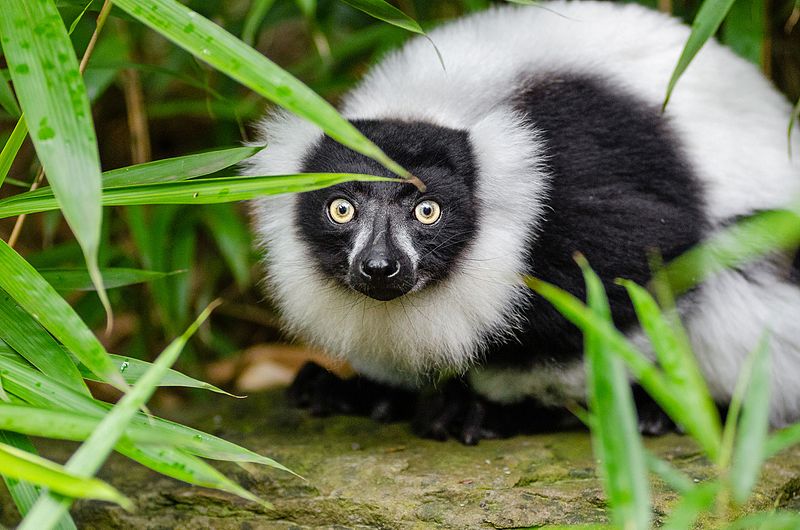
79, 279
748, 239
200, 191
43, 303
255, 17
674, 354
615, 435
212, 44
705, 24
133, 369
20, 331
783, 439
23, 465
753, 428
90, 455
699, 500
644, 371
11, 148
7, 99
50, 88
24, 493
387, 13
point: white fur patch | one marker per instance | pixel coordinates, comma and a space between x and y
553, 385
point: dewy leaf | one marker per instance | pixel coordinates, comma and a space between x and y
705, 24
23, 465
79, 280
20, 331
45, 305
212, 44
86, 461
200, 191
51, 92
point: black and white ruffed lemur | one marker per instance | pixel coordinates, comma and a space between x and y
543, 137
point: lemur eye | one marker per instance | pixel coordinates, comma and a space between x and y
341, 211
427, 212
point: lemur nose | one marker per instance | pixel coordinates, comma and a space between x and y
379, 267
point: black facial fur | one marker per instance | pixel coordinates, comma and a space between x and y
442, 158
620, 188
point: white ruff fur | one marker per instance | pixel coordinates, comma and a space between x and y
732, 126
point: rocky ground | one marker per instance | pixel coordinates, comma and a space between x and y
362, 475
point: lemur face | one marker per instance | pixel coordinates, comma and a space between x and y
387, 239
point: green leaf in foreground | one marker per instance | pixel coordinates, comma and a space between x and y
200, 191
212, 44
50, 89
133, 369
615, 436
38, 298
7, 99
91, 455
254, 19
23, 465
753, 427
783, 439
645, 372
11, 148
705, 24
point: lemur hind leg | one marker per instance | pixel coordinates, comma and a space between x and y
324, 394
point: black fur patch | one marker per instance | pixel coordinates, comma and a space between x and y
620, 189
441, 157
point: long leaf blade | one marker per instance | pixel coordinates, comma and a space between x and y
11, 148
38, 298
35, 469
79, 279
705, 24
50, 88
615, 437
386, 12
212, 44
201, 191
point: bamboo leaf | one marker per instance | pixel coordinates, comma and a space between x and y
20, 331
386, 12
675, 479
615, 435
705, 24
23, 465
233, 240
11, 148
645, 372
745, 29
753, 428
783, 439
7, 99
212, 44
86, 461
691, 505
133, 369
674, 354
776, 520
200, 191
43, 303
24, 493
79, 280
51, 92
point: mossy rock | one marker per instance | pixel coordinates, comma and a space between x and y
363, 475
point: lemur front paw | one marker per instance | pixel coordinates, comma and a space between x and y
324, 394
